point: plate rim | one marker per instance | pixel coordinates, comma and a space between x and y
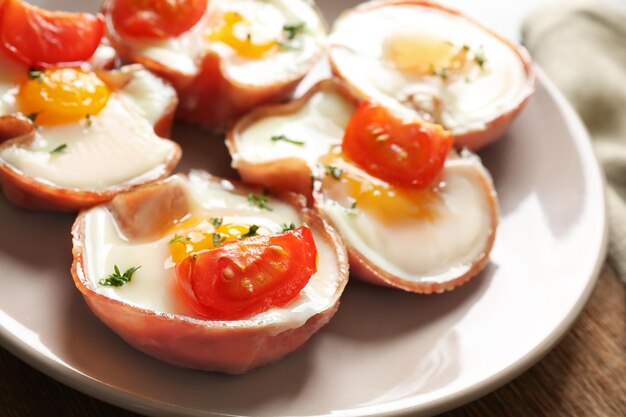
89, 385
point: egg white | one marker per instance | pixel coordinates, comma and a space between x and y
185, 53
319, 124
115, 146
469, 101
153, 285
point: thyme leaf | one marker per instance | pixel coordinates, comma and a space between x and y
117, 279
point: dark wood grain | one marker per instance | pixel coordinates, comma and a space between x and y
585, 375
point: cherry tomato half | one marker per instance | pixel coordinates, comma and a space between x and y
401, 152
38, 37
243, 278
156, 18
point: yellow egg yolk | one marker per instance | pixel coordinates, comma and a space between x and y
243, 45
356, 190
62, 95
424, 55
195, 235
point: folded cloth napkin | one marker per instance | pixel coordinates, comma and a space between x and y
582, 47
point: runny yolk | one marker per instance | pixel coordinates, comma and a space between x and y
424, 55
230, 33
347, 184
195, 235
62, 95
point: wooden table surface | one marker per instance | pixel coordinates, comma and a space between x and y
585, 375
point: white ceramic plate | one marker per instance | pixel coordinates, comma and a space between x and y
385, 352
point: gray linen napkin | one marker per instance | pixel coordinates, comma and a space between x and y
582, 47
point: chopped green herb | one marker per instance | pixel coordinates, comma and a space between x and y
32, 116
259, 201
466, 47
443, 73
291, 30
287, 227
353, 210
218, 239
251, 232
117, 279
479, 57
59, 149
277, 138
333, 171
34, 73
178, 239
216, 221
88, 120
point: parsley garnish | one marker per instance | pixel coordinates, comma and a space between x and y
251, 232
333, 171
479, 57
116, 279
291, 30
32, 116
353, 210
277, 138
217, 239
444, 73
59, 149
178, 239
34, 73
287, 227
216, 221
259, 201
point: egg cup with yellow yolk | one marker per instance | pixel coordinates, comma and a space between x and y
74, 137
147, 228
240, 54
434, 61
423, 240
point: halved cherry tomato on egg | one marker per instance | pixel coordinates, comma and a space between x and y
39, 37
400, 151
156, 18
247, 277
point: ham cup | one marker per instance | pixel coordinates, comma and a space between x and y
72, 132
443, 66
59, 156
425, 223
205, 273
224, 57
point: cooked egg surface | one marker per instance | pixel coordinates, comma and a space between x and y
434, 239
153, 286
99, 151
249, 35
307, 134
441, 65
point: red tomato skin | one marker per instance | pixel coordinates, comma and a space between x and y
155, 19
201, 279
408, 153
41, 38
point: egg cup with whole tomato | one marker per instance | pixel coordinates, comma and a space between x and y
413, 213
435, 62
224, 57
205, 273
73, 134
